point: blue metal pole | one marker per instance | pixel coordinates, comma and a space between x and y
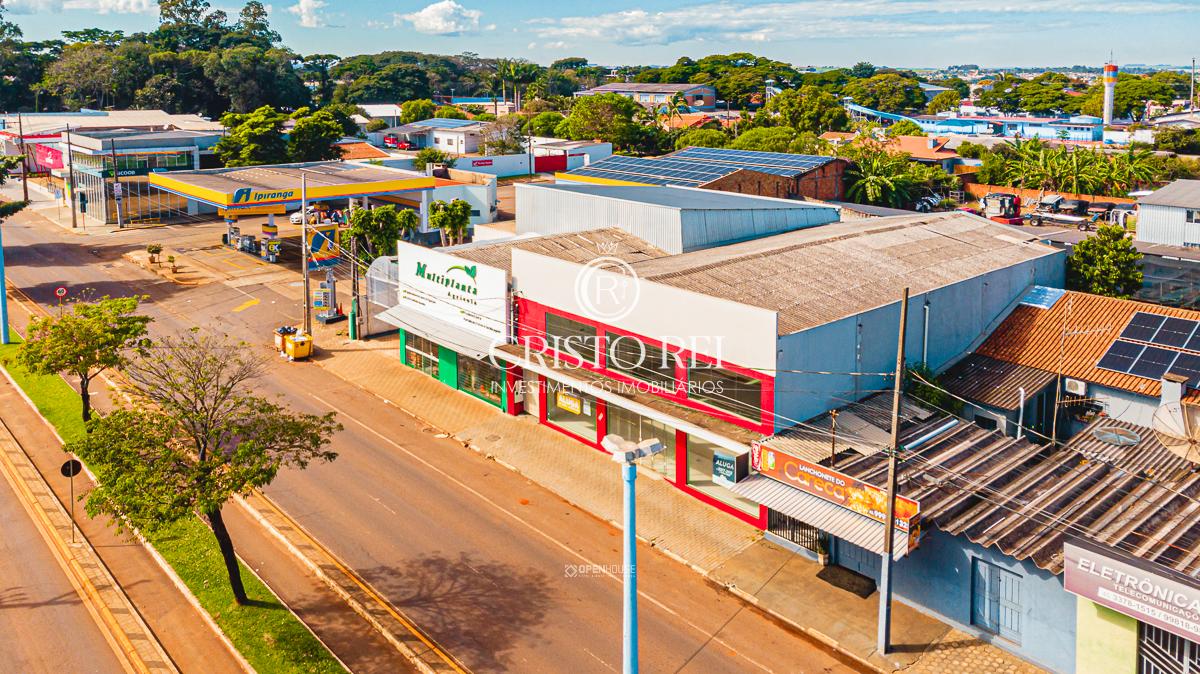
3, 294
629, 472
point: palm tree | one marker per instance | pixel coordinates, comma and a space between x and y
1131, 169
676, 105
503, 67
880, 178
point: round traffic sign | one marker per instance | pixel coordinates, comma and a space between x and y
71, 468
60, 292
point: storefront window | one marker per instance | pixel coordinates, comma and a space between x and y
634, 358
480, 378
571, 337
700, 475
725, 390
421, 353
636, 427
571, 410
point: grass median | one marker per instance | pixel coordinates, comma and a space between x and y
265, 632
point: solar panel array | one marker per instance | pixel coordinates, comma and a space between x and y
444, 123
1152, 345
656, 171
778, 163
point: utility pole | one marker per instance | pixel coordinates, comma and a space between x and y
71, 180
355, 310
1192, 91
304, 252
117, 192
885, 575
24, 161
832, 437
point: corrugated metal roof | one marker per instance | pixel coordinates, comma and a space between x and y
822, 274
42, 123
682, 198
841, 522
1073, 335
580, 247
1181, 193
994, 383
287, 176
645, 87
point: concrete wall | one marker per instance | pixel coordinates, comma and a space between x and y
958, 315
1166, 225
1106, 642
936, 578
709, 228
497, 165
1125, 406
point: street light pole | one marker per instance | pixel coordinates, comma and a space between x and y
24, 161
626, 452
304, 252
889, 530
71, 180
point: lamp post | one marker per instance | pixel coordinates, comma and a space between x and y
625, 452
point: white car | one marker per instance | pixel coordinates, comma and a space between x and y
298, 219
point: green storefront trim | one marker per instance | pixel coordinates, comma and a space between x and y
448, 372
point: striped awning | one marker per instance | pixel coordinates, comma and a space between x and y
840, 522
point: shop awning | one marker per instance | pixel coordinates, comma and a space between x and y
468, 343
845, 524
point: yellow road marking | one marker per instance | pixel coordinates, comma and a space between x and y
246, 305
231, 263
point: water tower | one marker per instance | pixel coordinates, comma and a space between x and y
1110, 87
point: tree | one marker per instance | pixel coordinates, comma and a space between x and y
862, 70
315, 71
396, 82
451, 219
701, 138
605, 117
376, 125
431, 155
82, 76
905, 127
1105, 264
416, 110
251, 78
504, 136
1179, 83
84, 342
807, 109
1001, 93
313, 137
569, 63
195, 437
254, 27
543, 123
1181, 141
253, 138
449, 112
381, 227
958, 84
887, 92
944, 102
1130, 97
765, 139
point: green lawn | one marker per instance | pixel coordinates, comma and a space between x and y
267, 634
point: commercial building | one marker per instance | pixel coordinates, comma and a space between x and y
453, 136
698, 97
767, 174
923, 149
674, 219
1063, 127
388, 112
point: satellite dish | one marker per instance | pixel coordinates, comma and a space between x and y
1121, 437
1177, 427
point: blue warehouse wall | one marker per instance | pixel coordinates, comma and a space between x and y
866, 343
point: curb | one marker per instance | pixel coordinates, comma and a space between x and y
131, 257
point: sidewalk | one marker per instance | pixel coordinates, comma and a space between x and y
727, 551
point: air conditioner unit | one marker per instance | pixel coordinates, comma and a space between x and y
1075, 387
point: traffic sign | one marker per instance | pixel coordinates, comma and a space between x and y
60, 292
71, 468
118, 190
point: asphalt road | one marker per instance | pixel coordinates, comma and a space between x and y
44, 626
484, 560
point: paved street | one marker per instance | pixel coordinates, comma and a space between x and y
486, 561
44, 623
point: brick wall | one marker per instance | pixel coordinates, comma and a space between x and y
1030, 197
753, 183
826, 183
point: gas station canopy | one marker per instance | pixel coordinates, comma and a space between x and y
259, 188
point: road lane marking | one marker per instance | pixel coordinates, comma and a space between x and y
566, 548
245, 305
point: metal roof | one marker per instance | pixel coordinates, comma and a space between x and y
1181, 193
679, 197
41, 123
822, 274
812, 510
646, 87
287, 176
778, 163
580, 247
994, 383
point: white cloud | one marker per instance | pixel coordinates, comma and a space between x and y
446, 17
98, 6
812, 19
309, 12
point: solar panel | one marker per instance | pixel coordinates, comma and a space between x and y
445, 123
783, 163
1120, 356
1187, 365
666, 171
1174, 332
1193, 344
1153, 363
1143, 326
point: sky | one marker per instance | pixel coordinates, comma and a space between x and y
898, 33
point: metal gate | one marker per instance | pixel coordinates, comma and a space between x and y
857, 559
380, 285
996, 600
550, 163
1160, 652
791, 529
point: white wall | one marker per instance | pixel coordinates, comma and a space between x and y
481, 198
1165, 225
734, 332
498, 165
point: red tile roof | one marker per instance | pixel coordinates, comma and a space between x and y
917, 147
1074, 334
352, 151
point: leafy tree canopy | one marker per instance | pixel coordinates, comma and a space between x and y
887, 92
417, 110
701, 138
807, 109
253, 138
1106, 263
